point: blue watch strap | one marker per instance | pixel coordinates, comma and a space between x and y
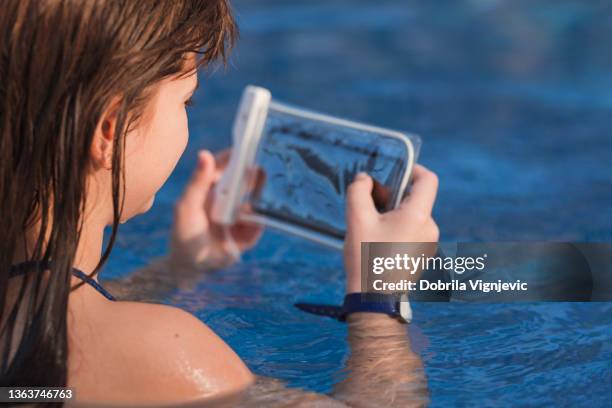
321, 310
391, 304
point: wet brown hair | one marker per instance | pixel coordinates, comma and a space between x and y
61, 64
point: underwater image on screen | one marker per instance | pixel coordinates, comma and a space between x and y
307, 166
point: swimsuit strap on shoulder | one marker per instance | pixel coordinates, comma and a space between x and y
23, 267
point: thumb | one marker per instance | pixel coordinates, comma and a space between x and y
360, 204
202, 179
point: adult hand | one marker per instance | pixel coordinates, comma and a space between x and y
410, 222
197, 241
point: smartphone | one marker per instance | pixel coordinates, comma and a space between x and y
290, 167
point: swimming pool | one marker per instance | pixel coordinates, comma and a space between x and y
512, 101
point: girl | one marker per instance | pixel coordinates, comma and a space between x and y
92, 122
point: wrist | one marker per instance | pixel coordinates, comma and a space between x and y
353, 286
394, 305
374, 324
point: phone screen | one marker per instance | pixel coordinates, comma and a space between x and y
305, 167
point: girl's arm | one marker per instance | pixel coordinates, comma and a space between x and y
197, 244
382, 369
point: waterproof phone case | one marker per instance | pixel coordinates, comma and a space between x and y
289, 168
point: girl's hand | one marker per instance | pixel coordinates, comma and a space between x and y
198, 242
410, 222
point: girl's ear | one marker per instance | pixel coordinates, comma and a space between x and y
102, 144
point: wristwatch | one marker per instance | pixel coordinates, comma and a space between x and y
395, 305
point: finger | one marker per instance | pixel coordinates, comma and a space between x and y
423, 192
246, 234
222, 159
199, 186
360, 204
381, 195
256, 180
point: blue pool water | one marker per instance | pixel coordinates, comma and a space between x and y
513, 102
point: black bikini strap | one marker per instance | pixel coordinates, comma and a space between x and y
81, 275
23, 267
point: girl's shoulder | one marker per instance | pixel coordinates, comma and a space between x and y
145, 352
